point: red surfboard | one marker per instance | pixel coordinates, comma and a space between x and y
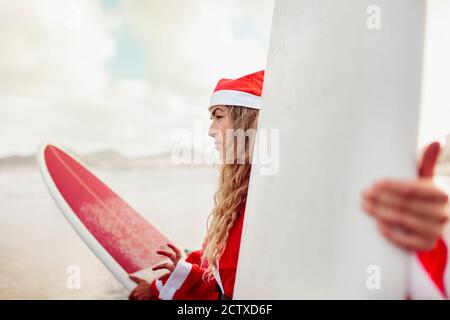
119, 236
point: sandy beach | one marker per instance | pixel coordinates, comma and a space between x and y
38, 245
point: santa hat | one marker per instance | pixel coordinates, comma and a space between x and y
245, 91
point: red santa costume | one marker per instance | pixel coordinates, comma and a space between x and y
187, 279
429, 277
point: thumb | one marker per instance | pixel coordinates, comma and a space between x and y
136, 279
429, 159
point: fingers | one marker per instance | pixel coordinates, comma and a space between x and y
140, 293
143, 295
404, 239
167, 254
174, 256
429, 159
165, 265
409, 222
417, 208
134, 294
176, 250
425, 209
137, 292
412, 189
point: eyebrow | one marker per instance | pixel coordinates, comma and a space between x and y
214, 111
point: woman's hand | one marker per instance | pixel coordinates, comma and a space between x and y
174, 254
141, 291
410, 213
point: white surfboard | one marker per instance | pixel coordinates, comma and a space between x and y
345, 98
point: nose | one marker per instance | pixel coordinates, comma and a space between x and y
212, 132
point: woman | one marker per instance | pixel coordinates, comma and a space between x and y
416, 207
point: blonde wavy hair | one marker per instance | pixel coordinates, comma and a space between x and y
232, 188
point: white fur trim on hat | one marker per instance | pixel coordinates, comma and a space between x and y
235, 98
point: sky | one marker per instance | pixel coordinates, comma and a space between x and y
120, 75
435, 113
123, 75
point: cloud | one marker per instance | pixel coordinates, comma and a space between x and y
53, 56
194, 43
55, 81
44, 48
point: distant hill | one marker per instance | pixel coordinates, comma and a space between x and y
104, 159
114, 159
17, 161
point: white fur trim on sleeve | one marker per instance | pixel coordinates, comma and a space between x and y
176, 280
159, 285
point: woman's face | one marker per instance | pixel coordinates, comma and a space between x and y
221, 121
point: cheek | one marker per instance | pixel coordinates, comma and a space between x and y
226, 124
223, 126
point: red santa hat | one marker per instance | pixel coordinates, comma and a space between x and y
245, 91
